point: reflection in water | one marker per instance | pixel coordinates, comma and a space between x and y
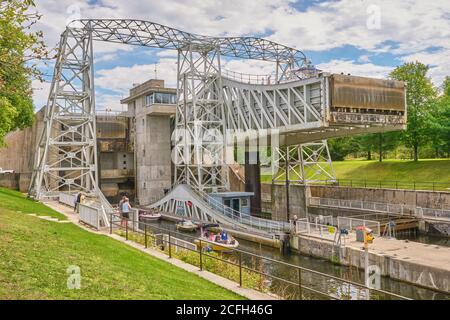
315, 281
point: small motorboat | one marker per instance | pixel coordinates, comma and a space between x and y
149, 215
216, 241
187, 225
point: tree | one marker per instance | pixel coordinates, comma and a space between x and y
341, 147
420, 96
20, 49
439, 121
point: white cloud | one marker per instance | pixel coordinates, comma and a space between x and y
40, 93
364, 58
349, 66
415, 25
121, 79
439, 62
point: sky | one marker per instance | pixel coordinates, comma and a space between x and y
365, 38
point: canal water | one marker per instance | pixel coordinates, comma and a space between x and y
321, 265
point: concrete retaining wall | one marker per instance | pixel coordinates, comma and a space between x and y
276, 203
274, 198
425, 199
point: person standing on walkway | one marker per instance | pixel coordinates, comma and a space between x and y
126, 207
77, 201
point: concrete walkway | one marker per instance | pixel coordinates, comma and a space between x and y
421, 264
220, 281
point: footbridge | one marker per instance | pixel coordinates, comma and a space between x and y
186, 202
295, 108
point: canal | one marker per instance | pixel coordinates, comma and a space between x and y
321, 265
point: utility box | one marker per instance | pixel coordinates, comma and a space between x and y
360, 231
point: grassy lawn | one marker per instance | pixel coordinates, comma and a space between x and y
424, 170
16, 201
35, 255
435, 170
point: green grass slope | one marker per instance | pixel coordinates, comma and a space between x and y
16, 201
389, 172
35, 255
423, 170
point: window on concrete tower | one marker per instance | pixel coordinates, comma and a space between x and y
160, 98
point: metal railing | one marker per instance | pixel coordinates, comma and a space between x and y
366, 118
353, 223
433, 213
301, 282
270, 226
262, 79
389, 208
89, 215
321, 219
389, 184
67, 199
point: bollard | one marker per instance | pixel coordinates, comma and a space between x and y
145, 235
240, 269
126, 229
110, 223
201, 255
300, 293
170, 247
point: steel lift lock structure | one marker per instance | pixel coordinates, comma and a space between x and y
299, 104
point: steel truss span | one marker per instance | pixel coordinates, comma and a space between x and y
208, 105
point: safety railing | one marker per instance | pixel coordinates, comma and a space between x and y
67, 199
321, 219
89, 215
296, 283
262, 79
434, 213
270, 226
353, 223
112, 113
389, 208
400, 209
326, 231
366, 118
389, 184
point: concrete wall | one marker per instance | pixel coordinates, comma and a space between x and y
274, 198
396, 268
153, 154
18, 154
274, 201
114, 144
426, 199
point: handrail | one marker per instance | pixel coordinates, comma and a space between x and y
262, 79
258, 223
391, 208
388, 184
296, 270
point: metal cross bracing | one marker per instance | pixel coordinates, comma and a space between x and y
66, 157
297, 104
200, 124
302, 164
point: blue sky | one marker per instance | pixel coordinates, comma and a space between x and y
367, 38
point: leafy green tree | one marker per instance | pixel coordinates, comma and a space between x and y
20, 50
341, 147
420, 97
439, 122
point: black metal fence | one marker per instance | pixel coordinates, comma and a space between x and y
282, 279
390, 184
